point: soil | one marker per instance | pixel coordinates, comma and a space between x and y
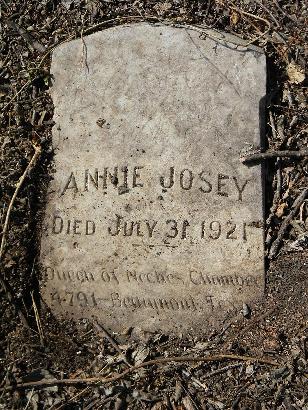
36, 347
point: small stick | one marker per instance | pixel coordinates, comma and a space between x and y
223, 370
37, 151
112, 342
272, 123
71, 37
89, 30
84, 48
268, 12
34, 44
286, 222
284, 13
274, 154
38, 320
159, 361
17, 94
29, 399
3, 282
188, 375
245, 13
277, 193
208, 7
258, 319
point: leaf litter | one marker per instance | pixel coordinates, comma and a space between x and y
35, 346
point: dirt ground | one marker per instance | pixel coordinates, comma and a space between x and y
257, 361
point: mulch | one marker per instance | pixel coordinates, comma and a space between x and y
256, 362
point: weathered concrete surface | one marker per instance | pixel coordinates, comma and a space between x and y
152, 221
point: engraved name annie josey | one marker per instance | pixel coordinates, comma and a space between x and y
125, 179
154, 232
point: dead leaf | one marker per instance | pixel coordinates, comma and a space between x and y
159, 406
140, 354
234, 18
162, 7
286, 194
4, 90
187, 403
280, 209
296, 73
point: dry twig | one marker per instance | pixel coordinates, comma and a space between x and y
112, 342
255, 322
17, 94
3, 282
245, 13
274, 154
38, 320
37, 151
34, 44
223, 370
159, 361
269, 13
276, 197
284, 13
282, 230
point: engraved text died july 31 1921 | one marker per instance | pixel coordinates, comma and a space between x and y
151, 219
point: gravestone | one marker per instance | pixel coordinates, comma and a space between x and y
151, 220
